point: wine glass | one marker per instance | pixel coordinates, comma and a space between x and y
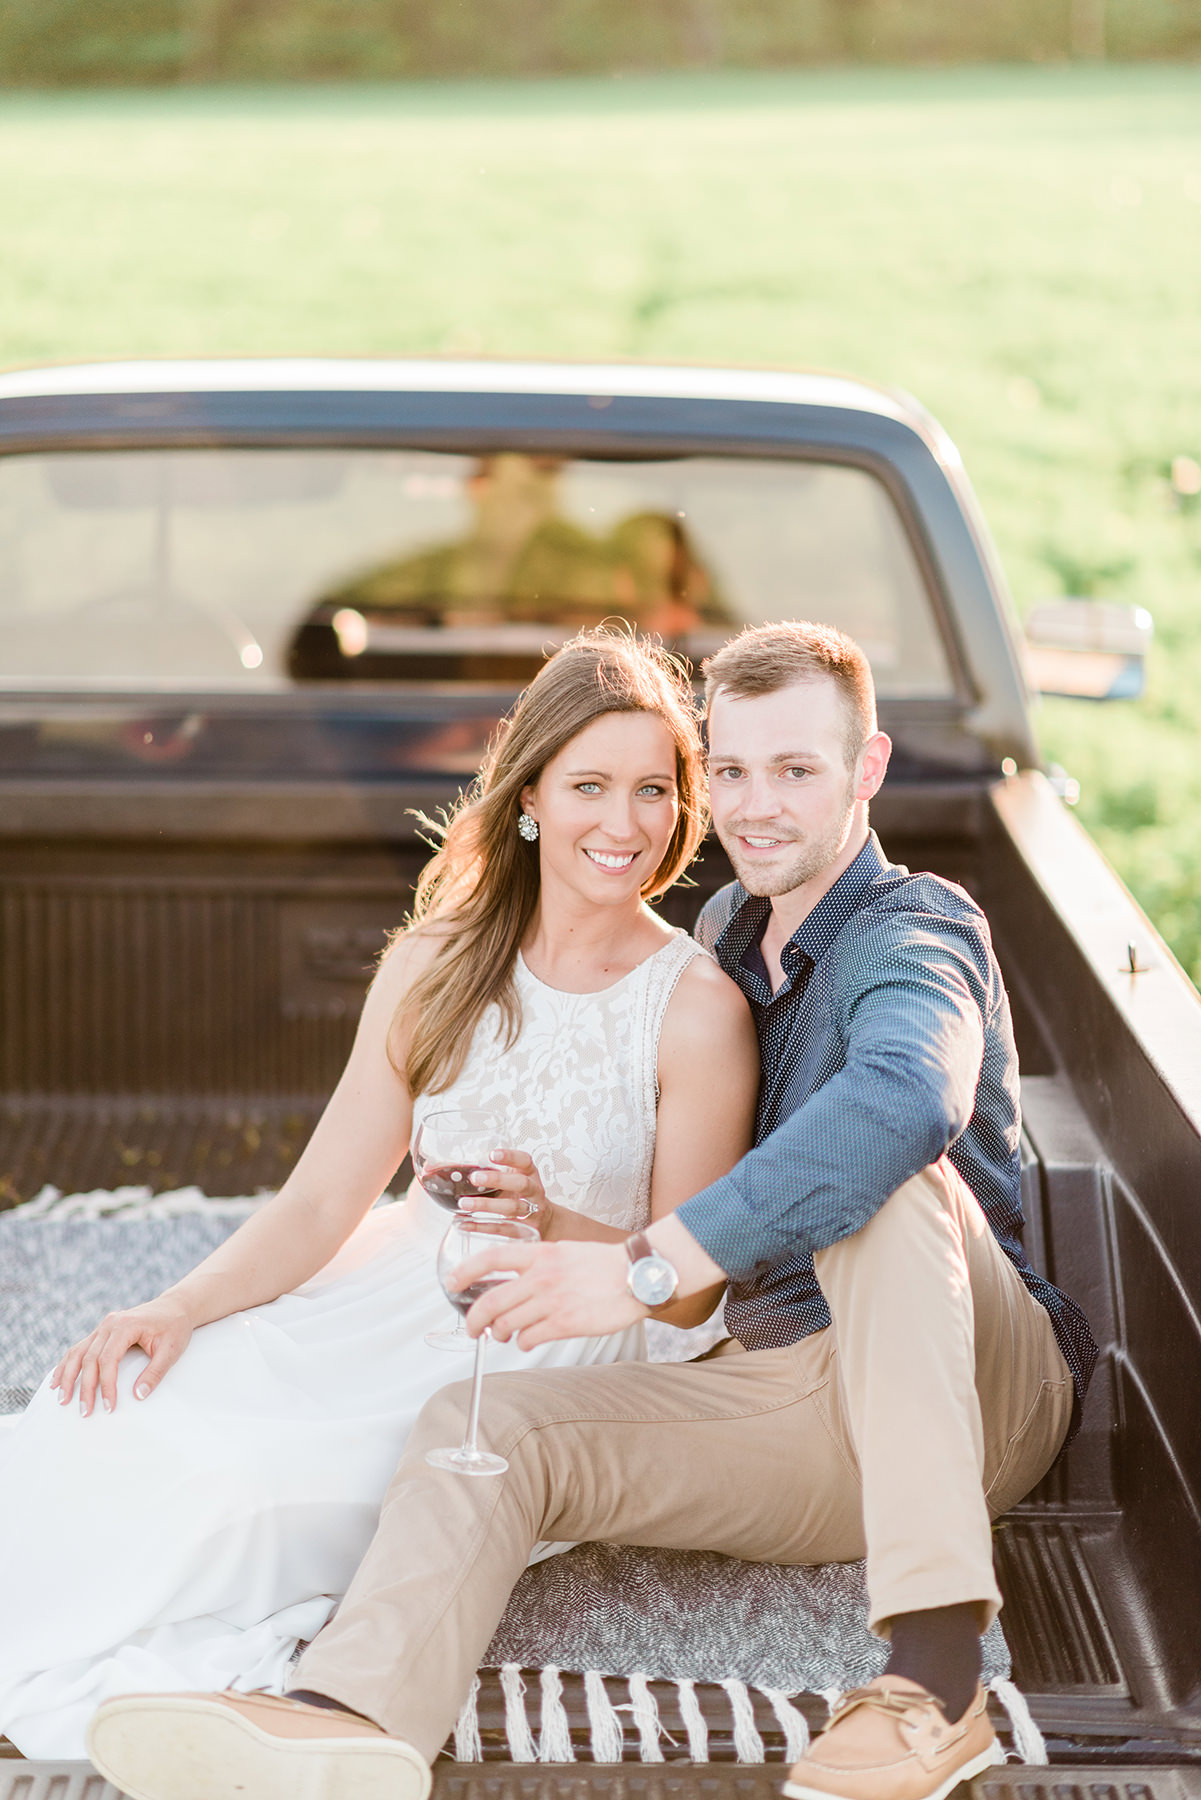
449, 1146
466, 1238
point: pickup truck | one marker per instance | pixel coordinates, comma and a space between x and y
256, 617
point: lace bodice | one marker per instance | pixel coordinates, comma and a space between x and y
578, 1087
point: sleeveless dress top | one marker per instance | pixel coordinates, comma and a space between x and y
578, 1088
193, 1540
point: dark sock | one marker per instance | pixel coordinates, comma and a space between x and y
323, 1700
941, 1650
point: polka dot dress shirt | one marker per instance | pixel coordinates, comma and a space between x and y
888, 1043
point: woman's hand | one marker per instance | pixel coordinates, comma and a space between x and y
161, 1328
518, 1190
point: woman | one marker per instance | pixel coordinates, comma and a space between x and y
198, 1512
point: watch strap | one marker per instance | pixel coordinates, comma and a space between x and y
638, 1246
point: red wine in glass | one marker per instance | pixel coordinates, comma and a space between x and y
449, 1146
466, 1298
466, 1238
449, 1182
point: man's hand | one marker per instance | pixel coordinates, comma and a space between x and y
564, 1289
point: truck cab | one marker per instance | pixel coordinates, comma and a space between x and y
258, 620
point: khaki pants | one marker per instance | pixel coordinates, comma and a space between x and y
938, 1397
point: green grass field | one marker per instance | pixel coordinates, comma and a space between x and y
1021, 248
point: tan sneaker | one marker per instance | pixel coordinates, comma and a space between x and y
890, 1741
260, 1746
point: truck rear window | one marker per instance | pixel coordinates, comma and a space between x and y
257, 570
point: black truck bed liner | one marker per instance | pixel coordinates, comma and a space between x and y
1073, 1617
1096, 1565
68, 1781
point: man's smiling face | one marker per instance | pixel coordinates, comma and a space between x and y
783, 797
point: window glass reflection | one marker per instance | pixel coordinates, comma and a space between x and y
264, 569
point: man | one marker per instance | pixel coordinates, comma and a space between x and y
897, 1375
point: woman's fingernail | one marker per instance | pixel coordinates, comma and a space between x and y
108, 1406
142, 1391
63, 1398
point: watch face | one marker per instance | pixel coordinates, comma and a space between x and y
653, 1280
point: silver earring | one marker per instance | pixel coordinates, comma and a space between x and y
527, 827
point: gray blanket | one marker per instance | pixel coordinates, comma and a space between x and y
673, 1614
690, 1615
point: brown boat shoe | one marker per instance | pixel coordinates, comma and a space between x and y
890, 1740
256, 1746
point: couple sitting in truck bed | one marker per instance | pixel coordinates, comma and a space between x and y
813, 1106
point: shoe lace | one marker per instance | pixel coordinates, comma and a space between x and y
896, 1703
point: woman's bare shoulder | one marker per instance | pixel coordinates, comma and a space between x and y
705, 983
408, 956
706, 1000
708, 1048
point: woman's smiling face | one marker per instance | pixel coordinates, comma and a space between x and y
606, 807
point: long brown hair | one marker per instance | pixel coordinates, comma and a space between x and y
483, 881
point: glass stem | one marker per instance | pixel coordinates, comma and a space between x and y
470, 1447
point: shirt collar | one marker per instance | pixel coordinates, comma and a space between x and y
818, 930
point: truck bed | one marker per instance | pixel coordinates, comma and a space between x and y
1100, 1567
480, 1781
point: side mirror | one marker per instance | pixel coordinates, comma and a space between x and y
1088, 649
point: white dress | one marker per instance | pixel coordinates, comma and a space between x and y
193, 1540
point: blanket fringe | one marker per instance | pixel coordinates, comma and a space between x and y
747, 1743
608, 1738
832, 1698
467, 1728
554, 1744
522, 1748
1028, 1740
646, 1717
694, 1722
792, 1723
134, 1203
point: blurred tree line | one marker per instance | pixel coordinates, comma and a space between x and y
86, 42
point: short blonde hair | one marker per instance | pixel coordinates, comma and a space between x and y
765, 658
